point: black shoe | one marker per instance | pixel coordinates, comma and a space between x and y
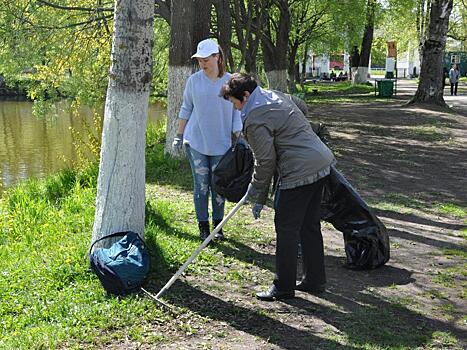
204, 230
310, 288
219, 235
274, 294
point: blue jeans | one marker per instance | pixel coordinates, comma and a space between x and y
201, 168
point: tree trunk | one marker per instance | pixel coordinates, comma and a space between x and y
121, 182
248, 25
360, 76
201, 22
423, 19
430, 86
185, 33
275, 51
303, 75
224, 30
292, 67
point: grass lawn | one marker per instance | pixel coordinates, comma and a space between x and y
327, 92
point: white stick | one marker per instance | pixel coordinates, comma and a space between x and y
201, 247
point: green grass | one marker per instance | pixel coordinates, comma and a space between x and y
49, 297
344, 87
378, 72
406, 204
452, 209
47, 294
340, 92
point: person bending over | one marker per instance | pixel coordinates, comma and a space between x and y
282, 140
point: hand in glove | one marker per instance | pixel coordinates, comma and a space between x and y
257, 207
177, 143
256, 210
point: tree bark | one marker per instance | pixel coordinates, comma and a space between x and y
248, 25
186, 31
201, 22
360, 76
430, 86
121, 182
275, 51
224, 30
423, 19
292, 67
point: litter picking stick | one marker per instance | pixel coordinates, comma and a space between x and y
197, 251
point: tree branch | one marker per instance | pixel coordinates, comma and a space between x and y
75, 8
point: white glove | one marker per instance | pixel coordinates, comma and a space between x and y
177, 143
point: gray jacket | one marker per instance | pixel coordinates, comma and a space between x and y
282, 140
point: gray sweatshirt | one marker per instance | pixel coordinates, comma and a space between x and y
282, 140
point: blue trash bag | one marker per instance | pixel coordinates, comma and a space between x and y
124, 266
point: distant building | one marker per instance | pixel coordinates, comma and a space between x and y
319, 65
408, 64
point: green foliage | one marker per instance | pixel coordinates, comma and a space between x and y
458, 23
162, 168
378, 52
58, 52
398, 23
55, 53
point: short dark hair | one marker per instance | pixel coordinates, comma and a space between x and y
237, 84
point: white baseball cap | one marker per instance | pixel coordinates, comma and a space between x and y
206, 48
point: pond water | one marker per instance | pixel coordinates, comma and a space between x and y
33, 146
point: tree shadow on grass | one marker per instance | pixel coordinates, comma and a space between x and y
425, 240
228, 247
250, 321
369, 319
418, 220
362, 318
233, 248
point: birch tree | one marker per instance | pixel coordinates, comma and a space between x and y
430, 86
121, 182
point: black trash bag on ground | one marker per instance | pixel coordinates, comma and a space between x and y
365, 237
233, 174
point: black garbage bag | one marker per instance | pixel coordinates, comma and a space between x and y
233, 174
365, 237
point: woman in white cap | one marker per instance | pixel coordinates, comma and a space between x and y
205, 126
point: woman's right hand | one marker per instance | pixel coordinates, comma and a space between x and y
177, 143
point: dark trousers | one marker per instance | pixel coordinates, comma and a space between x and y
297, 216
454, 88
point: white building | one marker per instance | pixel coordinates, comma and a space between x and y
317, 65
408, 64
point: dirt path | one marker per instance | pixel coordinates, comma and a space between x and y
415, 159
